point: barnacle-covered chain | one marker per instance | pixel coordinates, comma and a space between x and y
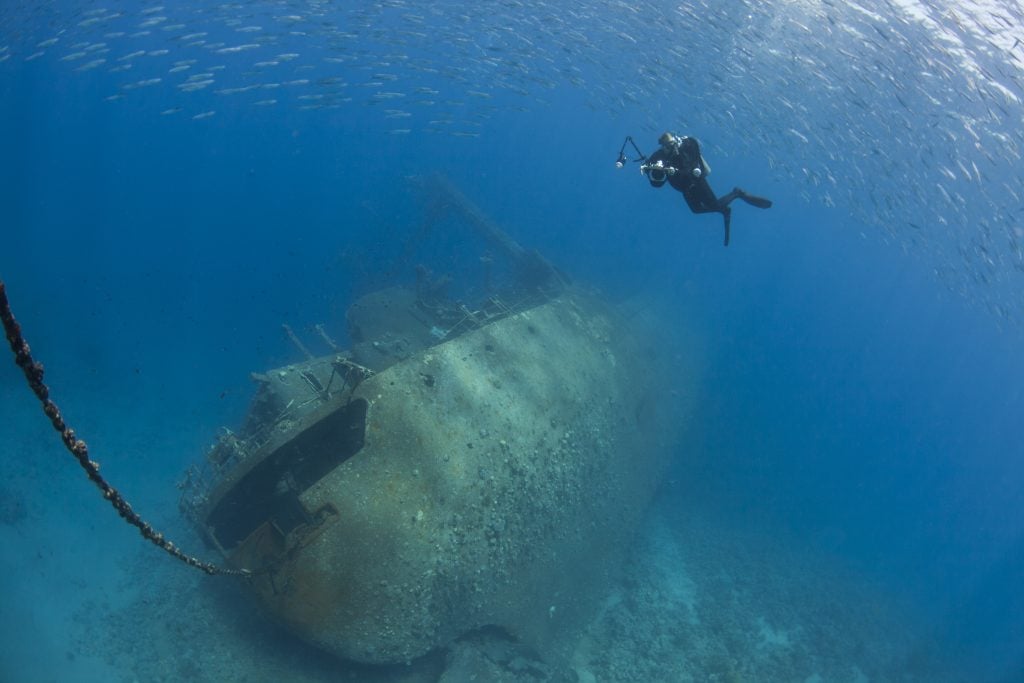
34, 374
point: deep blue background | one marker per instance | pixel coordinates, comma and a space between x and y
847, 398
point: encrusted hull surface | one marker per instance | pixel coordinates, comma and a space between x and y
497, 480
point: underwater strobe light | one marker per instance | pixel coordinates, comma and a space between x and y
621, 161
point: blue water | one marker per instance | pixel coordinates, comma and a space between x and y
853, 396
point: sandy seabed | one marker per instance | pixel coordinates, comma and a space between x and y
697, 601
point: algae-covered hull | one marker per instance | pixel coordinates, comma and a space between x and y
489, 478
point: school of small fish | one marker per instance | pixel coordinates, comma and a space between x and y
905, 115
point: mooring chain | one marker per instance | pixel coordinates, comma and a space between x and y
77, 447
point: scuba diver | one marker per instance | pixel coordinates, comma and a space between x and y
680, 163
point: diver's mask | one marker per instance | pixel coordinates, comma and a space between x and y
670, 142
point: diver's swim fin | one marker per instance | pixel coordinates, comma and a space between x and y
759, 202
727, 215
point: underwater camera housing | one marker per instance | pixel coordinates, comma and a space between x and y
460, 466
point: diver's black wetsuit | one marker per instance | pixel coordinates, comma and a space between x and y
690, 178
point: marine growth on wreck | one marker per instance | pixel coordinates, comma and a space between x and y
462, 465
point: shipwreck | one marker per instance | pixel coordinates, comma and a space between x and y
462, 465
